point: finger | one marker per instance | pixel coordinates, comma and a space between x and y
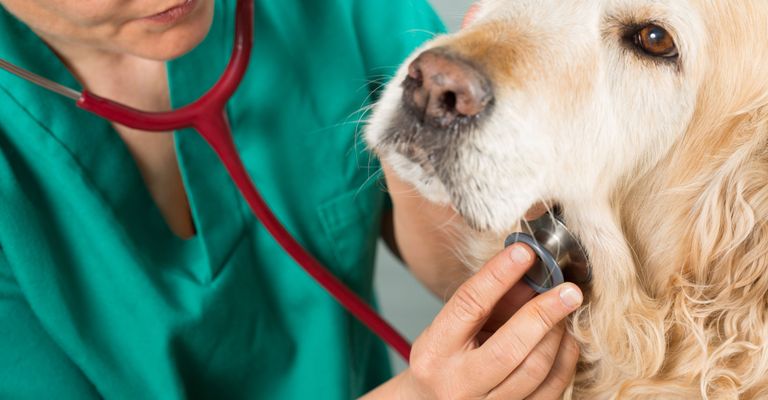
512, 301
469, 17
462, 317
562, 372
503, 352
534, 369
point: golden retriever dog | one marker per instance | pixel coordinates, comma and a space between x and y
646, 122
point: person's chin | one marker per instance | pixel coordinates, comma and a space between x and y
179, 39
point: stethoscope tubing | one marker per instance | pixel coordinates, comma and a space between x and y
207, 117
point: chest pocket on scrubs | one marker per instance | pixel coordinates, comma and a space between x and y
351, 223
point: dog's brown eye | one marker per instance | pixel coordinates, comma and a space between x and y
656, 41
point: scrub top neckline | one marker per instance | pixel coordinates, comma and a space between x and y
97, 150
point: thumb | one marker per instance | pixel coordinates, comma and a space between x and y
469, 17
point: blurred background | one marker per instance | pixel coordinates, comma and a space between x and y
403, 301
452, 11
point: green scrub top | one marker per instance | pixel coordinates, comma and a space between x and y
98, 298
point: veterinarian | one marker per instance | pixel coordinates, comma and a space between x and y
131, 268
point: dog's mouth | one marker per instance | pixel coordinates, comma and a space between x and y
431, 143
437, 171
433, 139
443, 103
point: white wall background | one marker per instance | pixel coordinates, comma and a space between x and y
403, 301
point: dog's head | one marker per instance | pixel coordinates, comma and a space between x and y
548, 101
645, 120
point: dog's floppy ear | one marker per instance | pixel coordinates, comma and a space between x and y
731, 213
722, 308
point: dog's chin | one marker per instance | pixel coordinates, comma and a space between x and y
477, 212
499, 220
421, 176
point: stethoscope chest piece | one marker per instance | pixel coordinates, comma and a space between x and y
560, 258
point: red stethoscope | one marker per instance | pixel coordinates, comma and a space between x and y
207, 116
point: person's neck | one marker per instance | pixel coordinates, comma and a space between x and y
129, 79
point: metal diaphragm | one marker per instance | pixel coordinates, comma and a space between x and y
560, 258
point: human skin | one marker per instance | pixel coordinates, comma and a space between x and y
116, 27
115, 51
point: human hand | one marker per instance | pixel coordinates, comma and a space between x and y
470, 15
464, 354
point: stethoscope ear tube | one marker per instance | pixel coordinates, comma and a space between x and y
553, 273
207, 116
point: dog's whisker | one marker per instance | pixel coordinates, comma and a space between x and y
358, 134
549, 208
432, 34
673, 208
377, 174
385, 68
450, 221
530, 229
549, 211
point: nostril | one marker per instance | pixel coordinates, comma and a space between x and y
472, 101
449, 101
441, 89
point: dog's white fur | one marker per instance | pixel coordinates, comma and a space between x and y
661, 169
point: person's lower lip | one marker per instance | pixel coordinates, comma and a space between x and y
173, 14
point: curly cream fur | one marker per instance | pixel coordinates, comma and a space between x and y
701, 243
698, 225
676, 227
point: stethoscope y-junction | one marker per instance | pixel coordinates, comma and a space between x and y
207, 116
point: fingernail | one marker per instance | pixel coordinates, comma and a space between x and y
570, 296
519, 254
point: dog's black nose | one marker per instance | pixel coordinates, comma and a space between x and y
441, 88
